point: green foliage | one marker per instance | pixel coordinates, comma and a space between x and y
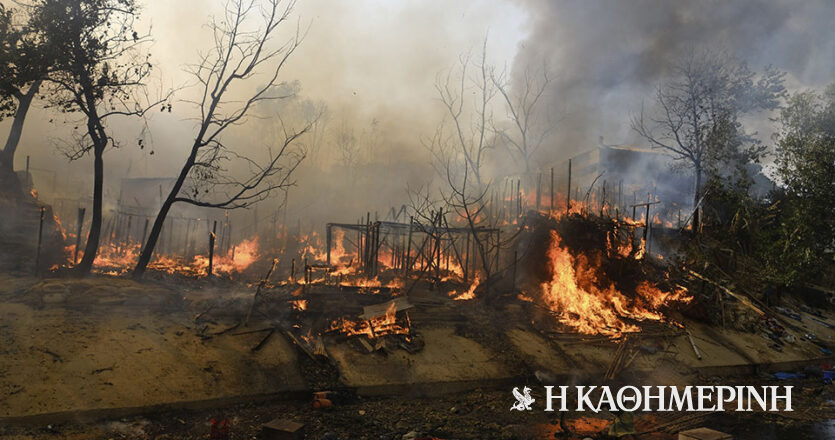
806, 165
99, 63
27, 54
788, 238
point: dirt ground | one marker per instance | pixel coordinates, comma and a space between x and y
105, 342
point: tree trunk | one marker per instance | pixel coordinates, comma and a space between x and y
12, 141
92, 247
99, 139
24, 101
696, 199
150, 244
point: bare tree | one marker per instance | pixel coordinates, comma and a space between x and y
468, 138
245, 48
346, 143
470, 205
524, 111
696, 117
100, 74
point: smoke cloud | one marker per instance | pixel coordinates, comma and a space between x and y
373, 64
609, 56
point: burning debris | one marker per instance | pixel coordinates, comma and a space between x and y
596, 282
584, 299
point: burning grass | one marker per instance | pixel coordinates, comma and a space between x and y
113, 259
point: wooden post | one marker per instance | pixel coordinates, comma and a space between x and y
81, 212
293, 271
646, 231
359, 243
620, 192
518, 197
538, 190
551, 206
367, 256
40, 234
409, 247
649, 236
568, 192
328, 240
212, 248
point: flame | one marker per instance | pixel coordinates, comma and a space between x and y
377, 326
118, 259
469, 293
575, 295
299, 305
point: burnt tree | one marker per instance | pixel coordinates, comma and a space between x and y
245, 47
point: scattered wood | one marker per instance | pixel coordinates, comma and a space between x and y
300, 345
208, 309
617, 361
693, 344
741, 298
101, 370
319, 347
258, 290
249, 332
364, 342
227, 329
264, 340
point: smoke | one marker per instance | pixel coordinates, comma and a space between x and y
373, 64
608, 56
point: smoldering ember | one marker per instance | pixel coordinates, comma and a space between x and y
402, 220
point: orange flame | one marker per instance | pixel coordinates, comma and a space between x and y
574, 295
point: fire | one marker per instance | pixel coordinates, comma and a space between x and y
114, 259
469, 293
238, 259
299, 305
377, 326
575, 295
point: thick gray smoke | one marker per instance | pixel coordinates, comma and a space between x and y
374, 64
608, 56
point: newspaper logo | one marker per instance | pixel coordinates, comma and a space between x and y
523, 401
